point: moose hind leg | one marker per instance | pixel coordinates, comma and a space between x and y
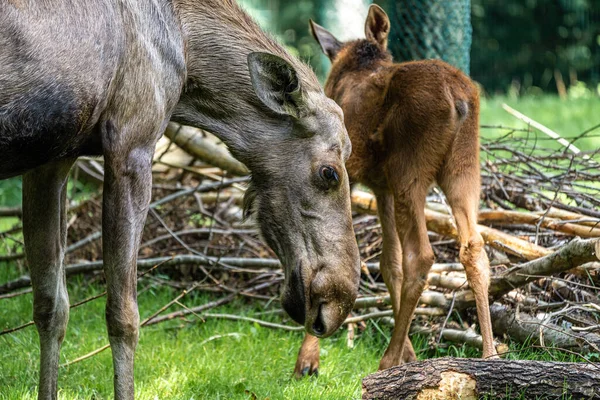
307, 362
45, 232
463, 196
460, 179
391, 265
417, 258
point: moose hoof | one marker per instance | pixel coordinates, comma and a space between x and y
306, 368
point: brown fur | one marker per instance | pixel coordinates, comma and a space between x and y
411, 125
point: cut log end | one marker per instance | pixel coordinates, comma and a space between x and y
449, 378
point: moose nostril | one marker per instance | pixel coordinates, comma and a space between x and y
318, 326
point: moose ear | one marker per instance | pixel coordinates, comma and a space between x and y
276, 83
377, 26
329, 44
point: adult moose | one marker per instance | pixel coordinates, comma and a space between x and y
410, 124
104, 78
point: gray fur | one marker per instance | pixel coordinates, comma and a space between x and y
104, 78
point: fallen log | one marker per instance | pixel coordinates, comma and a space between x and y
570, 216
575, 253
524, 328
470, 379
444, 224
468, 337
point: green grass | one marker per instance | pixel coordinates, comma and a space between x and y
568, 118
172, 362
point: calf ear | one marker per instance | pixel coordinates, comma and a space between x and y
276, 83
377, 26
329, 44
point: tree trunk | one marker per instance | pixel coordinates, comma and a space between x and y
427, 29
449, 378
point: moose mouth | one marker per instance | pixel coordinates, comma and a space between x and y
318, 327
293, 298
316, 315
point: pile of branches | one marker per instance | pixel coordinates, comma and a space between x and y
540, 224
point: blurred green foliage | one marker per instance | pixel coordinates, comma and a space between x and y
288, 20
522, 46
527, 45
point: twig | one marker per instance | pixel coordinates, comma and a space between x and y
86, 356
254, 320
574, 149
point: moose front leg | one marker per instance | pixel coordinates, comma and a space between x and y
45, 233
127, 192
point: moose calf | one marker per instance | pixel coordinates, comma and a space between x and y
411, 124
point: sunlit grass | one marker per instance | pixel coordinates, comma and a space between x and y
568, 118
175, 360
172, 362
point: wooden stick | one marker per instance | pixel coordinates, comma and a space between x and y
86, 356
255, 321
191, 141
516, 217
571, 147
11, 211
193, 310
444, 225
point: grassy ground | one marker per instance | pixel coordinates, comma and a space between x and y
193, 361
211, 360
568, 118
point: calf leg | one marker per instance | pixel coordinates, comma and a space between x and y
460, 180
307, 362
462, 192
417, 258
45, 233
127, 192
391, 264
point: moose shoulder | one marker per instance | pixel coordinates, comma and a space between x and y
104, 78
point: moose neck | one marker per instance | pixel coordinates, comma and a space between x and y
219, 96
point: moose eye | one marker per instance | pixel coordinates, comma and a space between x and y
329, 174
